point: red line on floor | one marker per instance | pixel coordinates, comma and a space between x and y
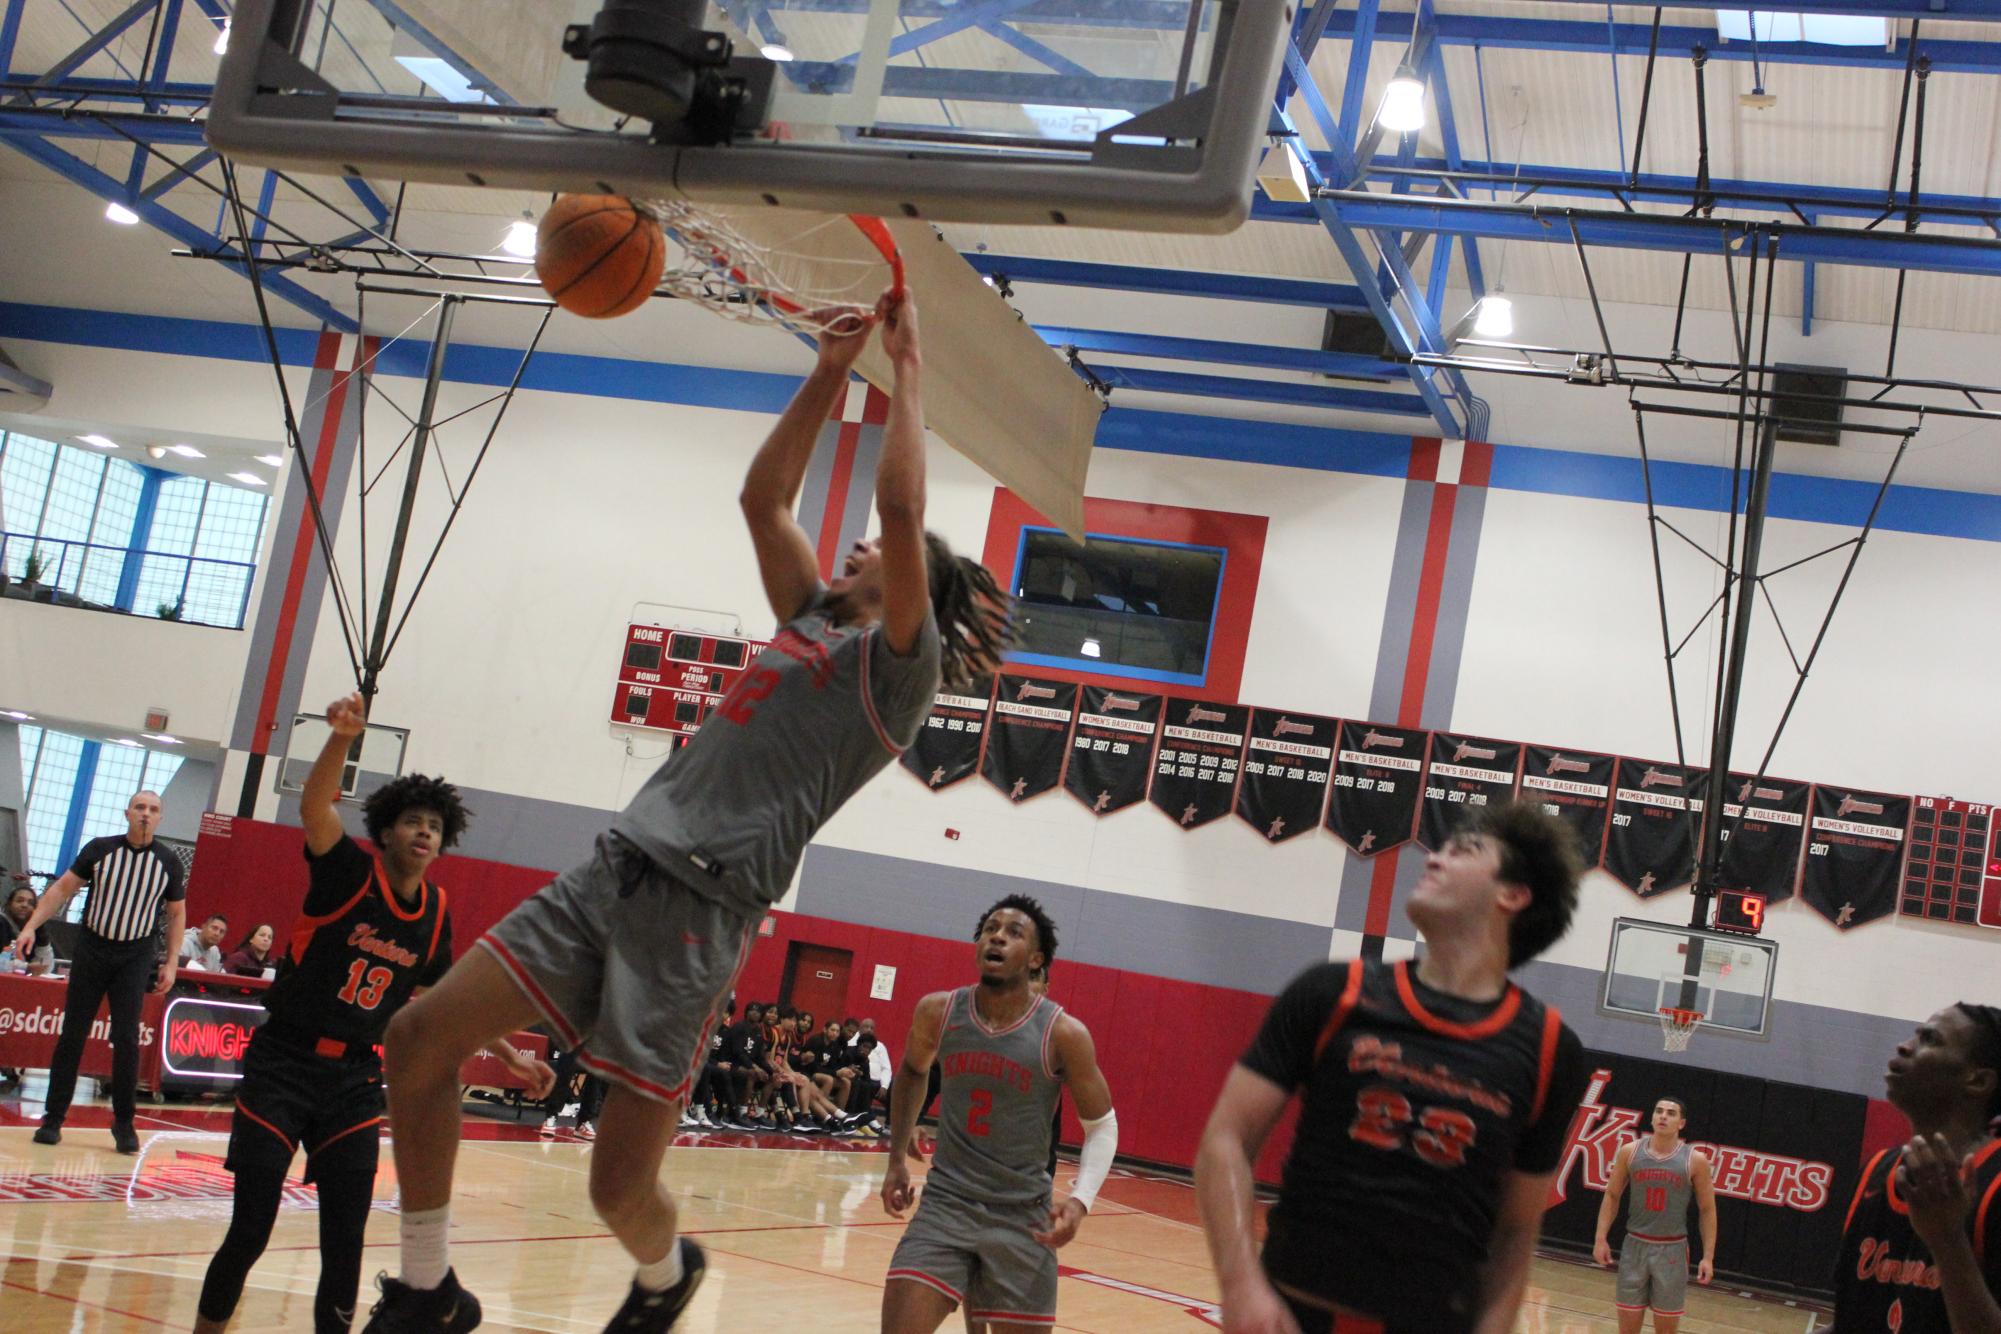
78, 1301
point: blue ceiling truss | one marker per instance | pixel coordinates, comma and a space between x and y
1380, 205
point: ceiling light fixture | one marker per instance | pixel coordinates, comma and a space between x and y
519, 238
156, 451
1091, 649
1496, 316
777, 51
18, 716
272, 460
1403, 103
102, 442
162, 738
187, 451
126, 741
118, 213
248, 479
222, 39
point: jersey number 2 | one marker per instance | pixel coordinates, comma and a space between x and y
978, 1111
1383, 1119
739, 704
367, 993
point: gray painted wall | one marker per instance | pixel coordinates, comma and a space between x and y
186, 797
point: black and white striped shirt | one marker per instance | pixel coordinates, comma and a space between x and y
127, 886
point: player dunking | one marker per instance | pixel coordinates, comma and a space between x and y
985, 1233
371, 932
1664, 1172
1435, 1096
631, 956
1921, 1250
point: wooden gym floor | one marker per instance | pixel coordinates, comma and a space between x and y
93, 1241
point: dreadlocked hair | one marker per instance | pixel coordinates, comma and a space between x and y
974, 613
1986, 1052
1032, 909
385, 806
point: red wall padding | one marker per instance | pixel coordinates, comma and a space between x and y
1164, 1045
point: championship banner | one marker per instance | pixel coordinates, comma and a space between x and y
1576, 787
1285, 773
1195, 772
1764, 823
1464, 773
1375, 789
1855, 854
1655, 819
1030, 735
1111, 751
947, 747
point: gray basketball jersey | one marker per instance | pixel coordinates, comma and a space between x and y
819, 713
997, 1093
1657, 1193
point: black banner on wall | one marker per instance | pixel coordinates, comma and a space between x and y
1655, 808
1855, 854
1764, 824
1576, 787
1031, 734
1376, 786
1285, 773
1784, 1160
1195, 771
1111, 751
947, 747
1463, 774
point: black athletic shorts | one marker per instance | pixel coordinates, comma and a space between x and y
293, 1098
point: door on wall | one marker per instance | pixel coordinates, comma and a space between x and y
816, 980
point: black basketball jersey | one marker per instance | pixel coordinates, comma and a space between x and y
1416, 1107
1885, 1278
357, 951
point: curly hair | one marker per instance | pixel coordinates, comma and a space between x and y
1538, 852
385, 806
1045, 925
974, 613
1985, 1052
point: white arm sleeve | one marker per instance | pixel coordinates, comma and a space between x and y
1094, 1160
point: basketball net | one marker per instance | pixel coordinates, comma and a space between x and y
808, 274
1678, 1026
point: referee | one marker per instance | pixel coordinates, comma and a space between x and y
130, 876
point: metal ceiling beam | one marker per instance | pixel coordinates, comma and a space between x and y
1646, 231
1260, 391
1984, 11
1343, 365
1171, 282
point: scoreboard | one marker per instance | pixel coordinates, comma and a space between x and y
1953, 870
670, 680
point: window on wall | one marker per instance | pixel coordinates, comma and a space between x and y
80, 509
1114, 604
50, 765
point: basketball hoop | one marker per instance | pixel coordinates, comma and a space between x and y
1678, 1026
796, 275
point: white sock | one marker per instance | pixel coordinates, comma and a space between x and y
661, 1274
426, 1259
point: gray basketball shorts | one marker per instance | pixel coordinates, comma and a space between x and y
982, 1256
1653, 1273
627, 963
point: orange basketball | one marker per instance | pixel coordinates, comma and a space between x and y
598, 255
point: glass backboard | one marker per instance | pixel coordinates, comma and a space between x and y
1144, 114
1727, 976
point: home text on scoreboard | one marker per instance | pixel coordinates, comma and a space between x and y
670, 680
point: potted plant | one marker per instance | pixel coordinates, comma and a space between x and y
172, 611
32, 571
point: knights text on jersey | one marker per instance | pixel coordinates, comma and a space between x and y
1416, 1108
357, 951
1884, 1279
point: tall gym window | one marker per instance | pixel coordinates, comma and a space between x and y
1117, 606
